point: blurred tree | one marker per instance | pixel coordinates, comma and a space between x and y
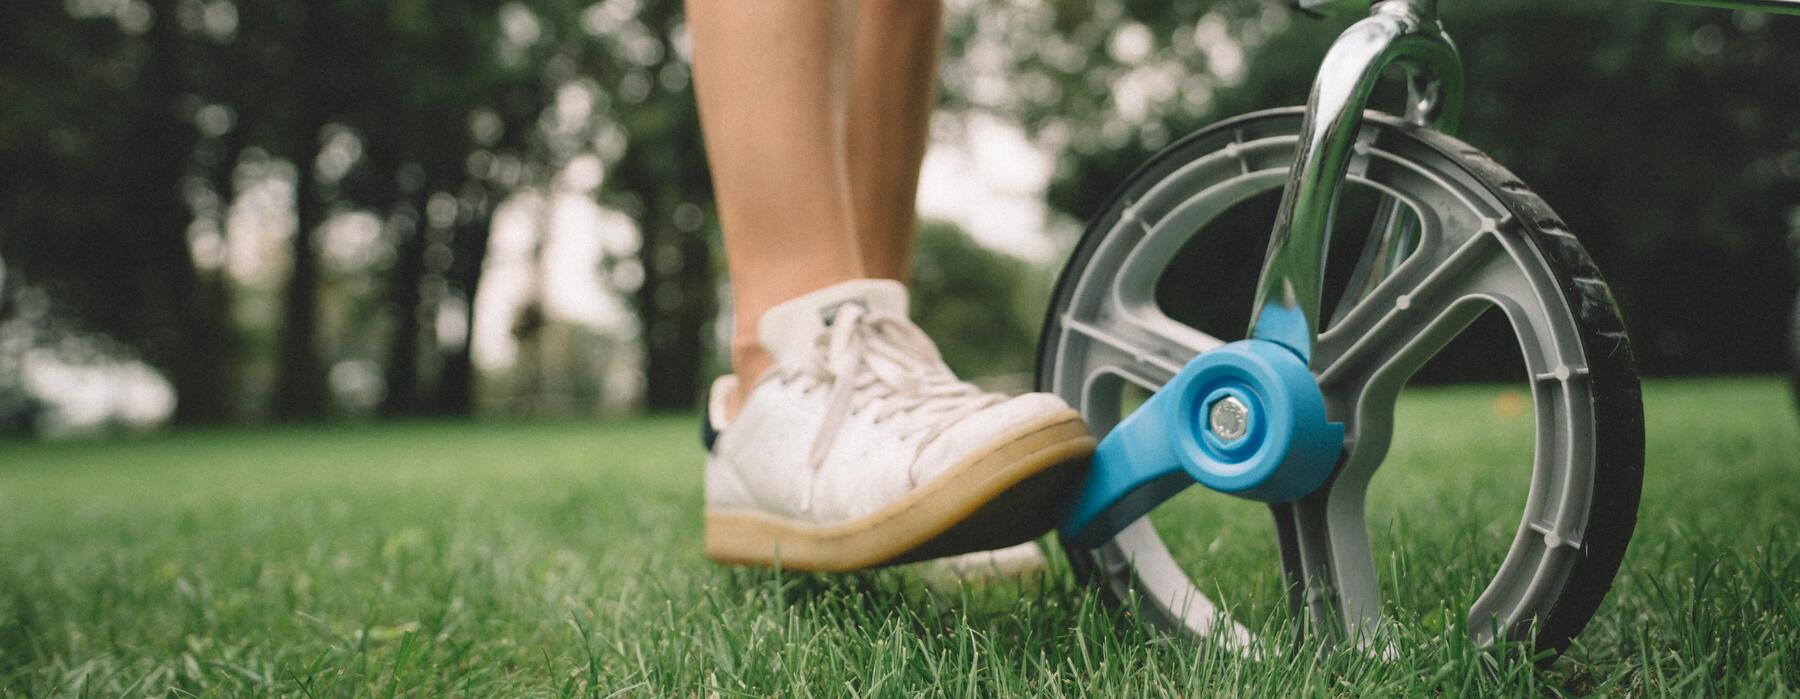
99, 112
661, 179
438, 71
640, 121
983, 307
19, 407
319, 77
1668, 137
428, 94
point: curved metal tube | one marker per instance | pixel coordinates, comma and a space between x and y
1398, 31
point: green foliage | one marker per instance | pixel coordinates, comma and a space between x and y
565, 560
1665, 135
133, 119
983, 307
93, 155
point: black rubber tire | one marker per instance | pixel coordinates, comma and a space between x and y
1617, 402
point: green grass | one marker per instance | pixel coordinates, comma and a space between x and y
564, 559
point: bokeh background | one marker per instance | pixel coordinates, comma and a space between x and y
226, 211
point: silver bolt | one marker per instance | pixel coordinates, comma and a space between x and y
1229, 418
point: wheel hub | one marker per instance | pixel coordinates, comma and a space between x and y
1246, 419
1230, 418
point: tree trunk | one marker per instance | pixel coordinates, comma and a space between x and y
198, 354
404, 283
673, 329
300, 387
456, 382
209, 370
299, 374
205, 372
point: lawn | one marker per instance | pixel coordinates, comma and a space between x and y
564, 559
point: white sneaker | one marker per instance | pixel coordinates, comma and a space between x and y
860, 448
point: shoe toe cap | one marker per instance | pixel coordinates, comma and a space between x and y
988, 429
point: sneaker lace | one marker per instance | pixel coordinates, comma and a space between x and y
881, 361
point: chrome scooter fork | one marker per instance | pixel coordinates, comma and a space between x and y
1404, 32
1397, 32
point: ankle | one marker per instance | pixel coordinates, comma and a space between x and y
749, 361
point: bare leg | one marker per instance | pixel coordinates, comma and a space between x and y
891, 95
816, 176
772, 80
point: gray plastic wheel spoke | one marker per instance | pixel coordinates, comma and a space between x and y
1364, 363
1393, 237
1139, 558
1366, 360
1147, 350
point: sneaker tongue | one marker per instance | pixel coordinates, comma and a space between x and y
789, 330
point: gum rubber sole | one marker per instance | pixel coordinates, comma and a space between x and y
1005, 496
